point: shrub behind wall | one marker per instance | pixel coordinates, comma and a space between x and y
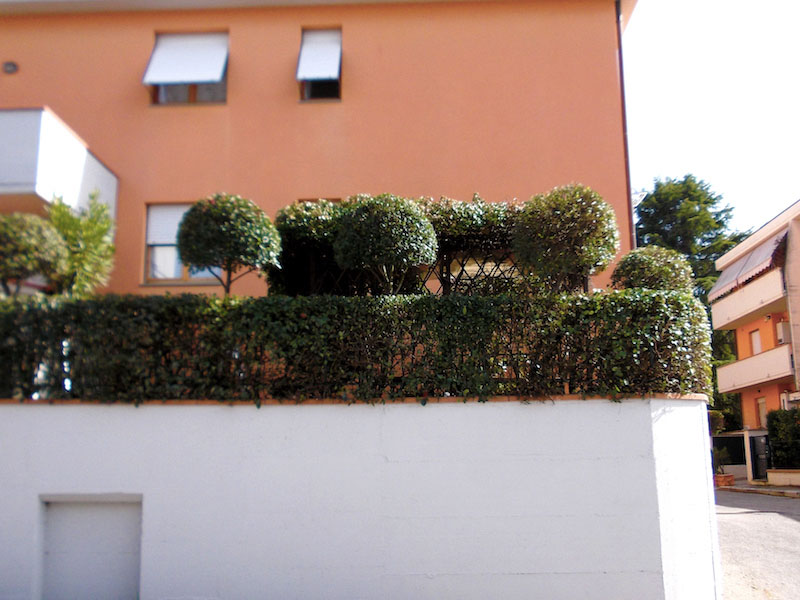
784, 438
132, 348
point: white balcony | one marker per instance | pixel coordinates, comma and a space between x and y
42, 159
755, 299
761, 368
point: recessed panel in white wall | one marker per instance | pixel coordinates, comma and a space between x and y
91, 550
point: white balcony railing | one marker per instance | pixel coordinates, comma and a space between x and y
761, 368
41, 159
757, 298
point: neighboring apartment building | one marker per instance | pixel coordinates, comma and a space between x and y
758, 296
282, 100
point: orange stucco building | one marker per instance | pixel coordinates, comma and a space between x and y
281, 101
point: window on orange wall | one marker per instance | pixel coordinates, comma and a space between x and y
162, 261
762, 411
755, 341
319, 65
188, 68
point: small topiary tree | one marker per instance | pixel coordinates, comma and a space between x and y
29, 245
387, 236
565, 235
655, 268
229, 234
89, 235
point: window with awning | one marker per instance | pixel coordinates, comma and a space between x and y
188, 68
319, 64
751, 264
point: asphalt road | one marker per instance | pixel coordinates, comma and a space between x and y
759, 537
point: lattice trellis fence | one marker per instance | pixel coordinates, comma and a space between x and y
471, 273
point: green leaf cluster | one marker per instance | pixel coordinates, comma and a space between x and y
784, 438
89, 237
655, 268
629, 342
566, 235
229, 233
470, 226
30, 245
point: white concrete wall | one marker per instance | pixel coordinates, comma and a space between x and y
40, 155
19, 150
565, 499
769, 365
685, 485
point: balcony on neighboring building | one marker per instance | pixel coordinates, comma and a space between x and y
41, 158
758, 297
760, 368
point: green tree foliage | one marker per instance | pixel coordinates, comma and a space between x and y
229, 234
566, 235
387, 236
655, 268
29, 245
685, 215
88, 235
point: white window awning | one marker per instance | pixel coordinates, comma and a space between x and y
320, 55
163, 221
747, 267
187, 58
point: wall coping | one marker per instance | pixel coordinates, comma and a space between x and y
332, 401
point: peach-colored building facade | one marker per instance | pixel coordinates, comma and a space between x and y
504, 98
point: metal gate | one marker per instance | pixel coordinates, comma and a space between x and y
759, 453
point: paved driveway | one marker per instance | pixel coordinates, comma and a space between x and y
759, 537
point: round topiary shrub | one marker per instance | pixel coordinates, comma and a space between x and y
565, 235
29, 245
655, 268
385, 235
227, 233
307, 231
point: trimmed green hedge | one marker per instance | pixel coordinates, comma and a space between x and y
470, 226
784, 438
134, 348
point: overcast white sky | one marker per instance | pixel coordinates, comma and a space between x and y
713, 89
